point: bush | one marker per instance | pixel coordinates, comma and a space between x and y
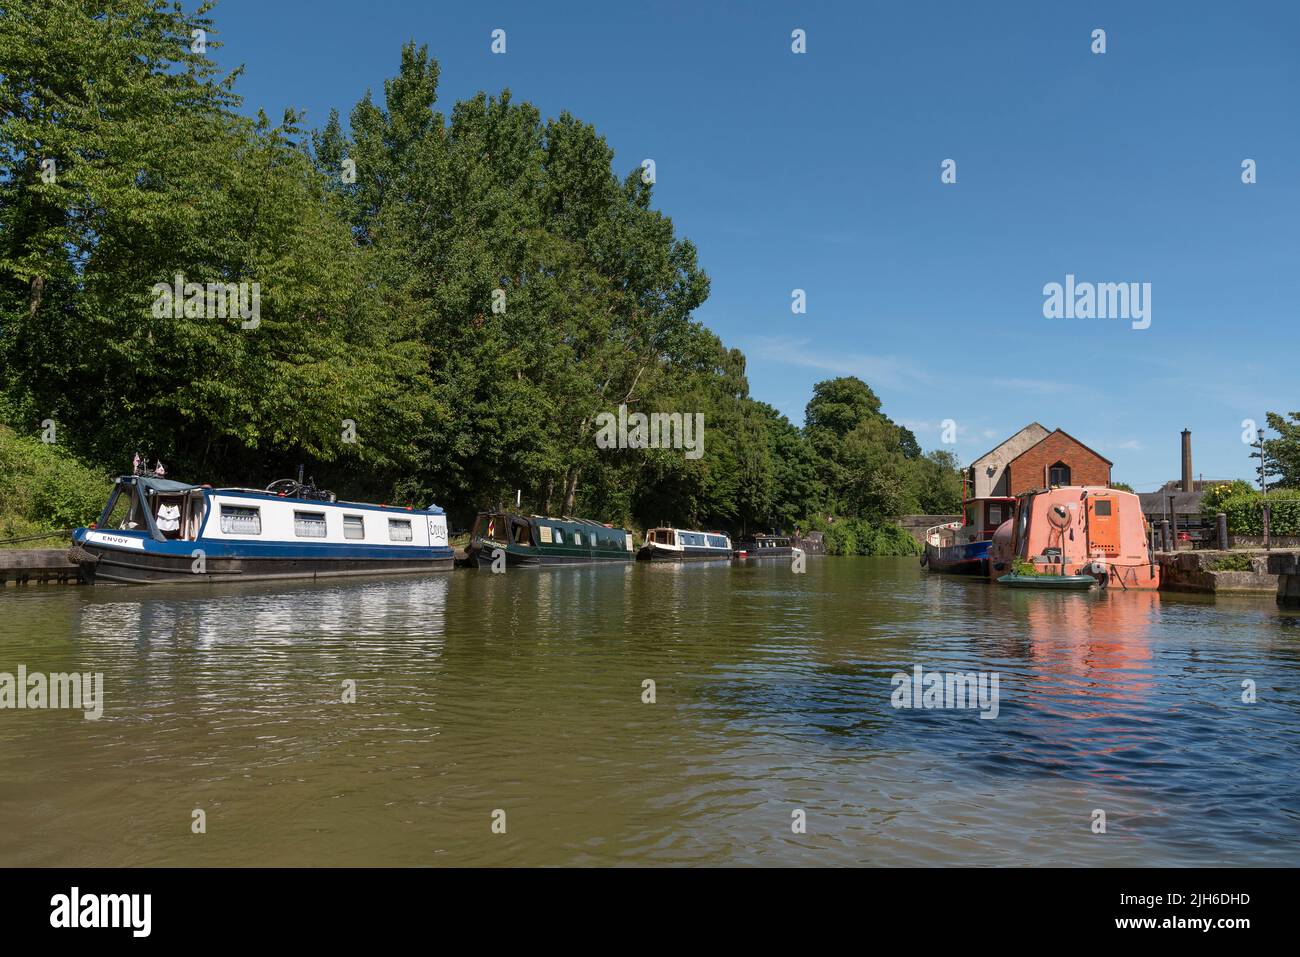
1213, 499
893, 540
1246, 513
44, 489
1231, 563
857, 536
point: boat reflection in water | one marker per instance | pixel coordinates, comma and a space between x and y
1090, 648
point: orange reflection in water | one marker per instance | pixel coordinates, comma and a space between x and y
1092, 647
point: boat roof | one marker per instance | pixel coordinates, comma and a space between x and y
1081, 489
565, 520
155, 484
164, 486
692, 531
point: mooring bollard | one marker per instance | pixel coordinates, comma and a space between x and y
1164, 535
1223, 530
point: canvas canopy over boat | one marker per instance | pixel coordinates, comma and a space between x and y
534, 540
683, 545
157, 530
962, 548
1078, 530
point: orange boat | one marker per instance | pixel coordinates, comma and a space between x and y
1078, 530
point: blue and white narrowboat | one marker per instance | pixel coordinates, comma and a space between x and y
157, 530
681, 545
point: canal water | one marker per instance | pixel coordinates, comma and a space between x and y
524, 693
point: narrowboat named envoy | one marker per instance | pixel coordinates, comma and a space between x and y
962, 548
681, 545
157, 530
533, 540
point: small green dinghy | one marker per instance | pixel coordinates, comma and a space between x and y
1059, 582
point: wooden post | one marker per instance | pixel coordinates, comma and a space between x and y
1164, 535
1267, 516
1223, 530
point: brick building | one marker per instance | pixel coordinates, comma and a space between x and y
1036, 458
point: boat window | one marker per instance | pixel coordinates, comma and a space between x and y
194, 516
1101, 506
718, 541
309, 524
522, 535
399, 530
559, 536
628, 542
1022, 524
241, 520
496, 527
544, 534
354, 526
577, 538
123, 510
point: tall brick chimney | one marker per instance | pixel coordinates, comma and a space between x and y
1187, 461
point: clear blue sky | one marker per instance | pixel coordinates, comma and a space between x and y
821, 171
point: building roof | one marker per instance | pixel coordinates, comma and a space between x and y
1072, 439
1046, 432
1157, 502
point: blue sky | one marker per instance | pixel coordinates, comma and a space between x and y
821, 172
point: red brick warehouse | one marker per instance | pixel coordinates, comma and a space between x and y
1059, 459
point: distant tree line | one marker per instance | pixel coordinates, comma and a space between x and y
448, 300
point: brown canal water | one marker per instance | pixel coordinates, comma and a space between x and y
523, 693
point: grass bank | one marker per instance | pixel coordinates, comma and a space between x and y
44, 489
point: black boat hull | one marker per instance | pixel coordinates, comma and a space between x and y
483, 558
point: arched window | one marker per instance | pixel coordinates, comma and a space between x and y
1058, 474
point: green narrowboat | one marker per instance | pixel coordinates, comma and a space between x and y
534, 540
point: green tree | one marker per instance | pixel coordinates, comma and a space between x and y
1283, 452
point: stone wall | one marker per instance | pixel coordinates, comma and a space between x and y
1287, 568
915, 525
1257, 541
1192, 571
989, 471
812, 544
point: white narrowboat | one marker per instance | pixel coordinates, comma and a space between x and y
683, 545
157, 530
